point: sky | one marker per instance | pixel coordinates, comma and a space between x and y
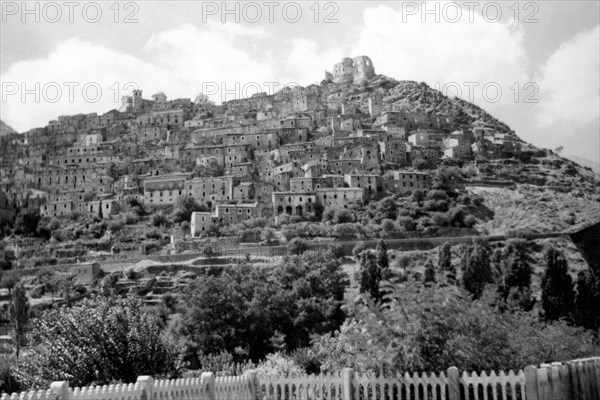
533, 65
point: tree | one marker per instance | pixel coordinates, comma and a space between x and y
513, 275
429, 274
587, 300
418, 196
382, 255
98, 341
19, 314
557, 286
259, 311
27, 221
419, 164
209, 252
342, 216
370, 275
184, 207
476, 269
297, 246
445, 257
8, 281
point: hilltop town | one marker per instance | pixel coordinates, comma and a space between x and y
300, 154
246, 230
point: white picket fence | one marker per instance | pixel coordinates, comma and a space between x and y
573, 380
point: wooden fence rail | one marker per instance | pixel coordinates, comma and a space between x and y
572, 380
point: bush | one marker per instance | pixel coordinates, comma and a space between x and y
160, 220
359, 248
477, 201
345, 231
297, 246
388, 226
115, 226
153, 234
342, 216
328, 214
437, 195
407, 223
113, 340
130, 218
8, 379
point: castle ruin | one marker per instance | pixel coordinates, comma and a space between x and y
352, 70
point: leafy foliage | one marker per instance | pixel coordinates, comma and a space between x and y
476, 269
184, 207
98, 341
19, 314
587, 300
426, 330
557, 286
252, 312
370, 274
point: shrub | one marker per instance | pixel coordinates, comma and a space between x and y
345, 231
153, 234
114, 339
130, 218
359, 248
407, 223
160, 220
297, 246
477, 201
328, 214
437, 195
388, 226
115, 226
342, 216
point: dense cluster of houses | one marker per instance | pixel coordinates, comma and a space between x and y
292, 153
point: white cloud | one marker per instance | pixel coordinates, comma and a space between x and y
178, 62
76, 61
569, 82
568, 113
307, 61
444, 52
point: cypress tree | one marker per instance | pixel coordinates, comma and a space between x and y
557, 286
587, 300
476, 269
19, 313
370, 275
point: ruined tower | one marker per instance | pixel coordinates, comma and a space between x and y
352, 70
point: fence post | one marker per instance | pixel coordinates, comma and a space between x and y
60, 389
207, 380
147, 384
531, 383
253, 380
453, 384
347, 378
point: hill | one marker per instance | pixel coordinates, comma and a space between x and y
6, 129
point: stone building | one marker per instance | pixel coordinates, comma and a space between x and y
407, 181
352, 70
224, 214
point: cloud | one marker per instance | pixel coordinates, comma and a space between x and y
57, 81
444, 52
568, 113
569, 82
307, 61
181, 62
